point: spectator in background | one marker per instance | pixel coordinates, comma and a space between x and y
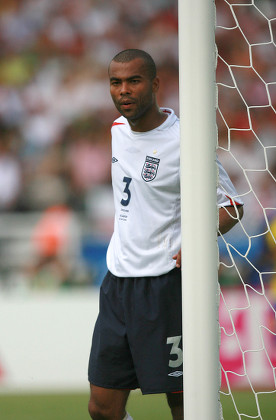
10, 172
87, 158
55, 241
51, 240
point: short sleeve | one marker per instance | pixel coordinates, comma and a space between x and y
226, 192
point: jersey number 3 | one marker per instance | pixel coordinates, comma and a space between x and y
125, 202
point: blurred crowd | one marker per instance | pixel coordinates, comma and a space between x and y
55, 107
56, 112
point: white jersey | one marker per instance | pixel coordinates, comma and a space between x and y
146, 187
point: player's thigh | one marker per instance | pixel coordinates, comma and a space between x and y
175, 401
107, 403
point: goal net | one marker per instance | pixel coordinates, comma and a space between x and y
246, 121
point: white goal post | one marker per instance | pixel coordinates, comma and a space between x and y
199, 220
245, 34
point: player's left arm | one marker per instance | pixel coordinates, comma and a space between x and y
228, 217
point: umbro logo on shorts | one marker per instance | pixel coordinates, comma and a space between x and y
176, 374
114, 160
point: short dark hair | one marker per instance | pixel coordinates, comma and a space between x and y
130, 54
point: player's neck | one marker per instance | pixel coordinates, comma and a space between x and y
148, 121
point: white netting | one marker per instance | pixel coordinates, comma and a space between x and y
246, 119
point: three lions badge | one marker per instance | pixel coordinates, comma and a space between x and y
150, 168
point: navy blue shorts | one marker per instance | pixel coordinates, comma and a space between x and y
137, 340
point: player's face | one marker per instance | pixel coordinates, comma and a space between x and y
132, 90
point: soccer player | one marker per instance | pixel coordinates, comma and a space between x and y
137, 336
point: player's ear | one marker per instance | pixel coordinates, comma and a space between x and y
155, 84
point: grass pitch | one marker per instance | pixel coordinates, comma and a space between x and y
150, 407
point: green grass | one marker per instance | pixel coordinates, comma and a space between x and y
246, 404
149, 407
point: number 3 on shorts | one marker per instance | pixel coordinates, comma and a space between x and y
175, 350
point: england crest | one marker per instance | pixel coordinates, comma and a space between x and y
150, 168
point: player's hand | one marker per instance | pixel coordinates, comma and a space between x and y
177, 257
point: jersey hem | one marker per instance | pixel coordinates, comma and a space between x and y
127, 276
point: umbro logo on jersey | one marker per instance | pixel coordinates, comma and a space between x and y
176, 374
150, 168
114, 160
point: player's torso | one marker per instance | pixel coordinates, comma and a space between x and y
145, 169
146, 187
